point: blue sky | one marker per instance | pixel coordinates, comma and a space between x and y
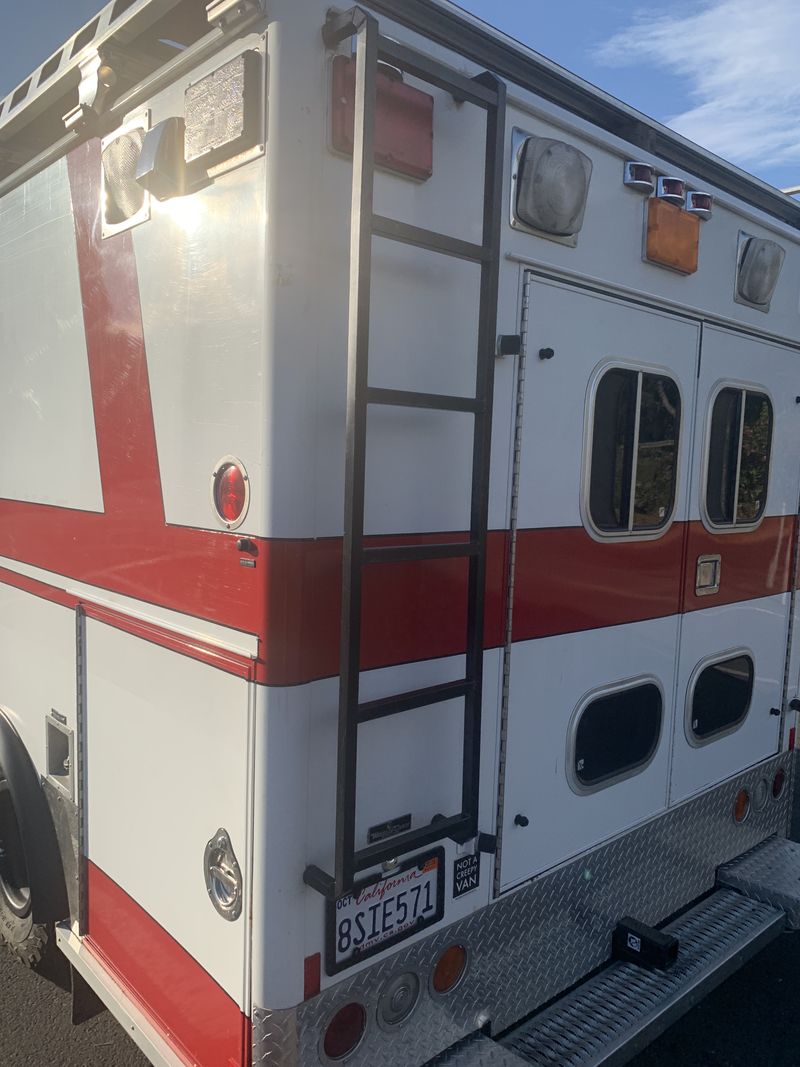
722, 72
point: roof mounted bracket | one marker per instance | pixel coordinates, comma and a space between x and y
97, 81
227, 14
341, 25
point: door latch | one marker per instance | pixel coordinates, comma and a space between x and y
223, 876
707, 575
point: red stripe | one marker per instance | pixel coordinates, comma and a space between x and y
565, 581
412, 611
120, 385
754, 564
198, 1018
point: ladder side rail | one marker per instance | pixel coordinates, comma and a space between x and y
355, 446
482, 442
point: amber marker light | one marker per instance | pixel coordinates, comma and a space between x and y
673, 236
741, 806
449, 969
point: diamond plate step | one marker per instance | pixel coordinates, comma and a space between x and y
770, 872
476, 1051
613, 1016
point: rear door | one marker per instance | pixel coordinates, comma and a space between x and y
604, 465
743, 502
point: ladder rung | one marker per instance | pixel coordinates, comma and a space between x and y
417, 698
459, 825
428, 70
405, 233
406, 553
402, 398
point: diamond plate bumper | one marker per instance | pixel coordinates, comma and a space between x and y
771, 873
534, 942
610, 1018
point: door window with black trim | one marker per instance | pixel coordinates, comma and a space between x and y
634, 458
739, 448
720, 697
616, 735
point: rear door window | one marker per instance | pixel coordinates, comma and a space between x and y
634, 452
739, 451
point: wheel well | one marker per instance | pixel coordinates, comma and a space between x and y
42, 854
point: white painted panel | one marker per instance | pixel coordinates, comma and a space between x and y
424, 320
760, 627
201, 264
549, 679
586, 330
418, 470
49, 453
410, 764
37, 665
296, 800
424, 306
167, 766
610, 244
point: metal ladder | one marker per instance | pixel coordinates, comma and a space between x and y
488, 93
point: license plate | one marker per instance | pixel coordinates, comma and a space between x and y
380, 913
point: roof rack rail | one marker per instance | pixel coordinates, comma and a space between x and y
121, 46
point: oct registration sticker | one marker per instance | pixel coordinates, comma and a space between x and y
379, 913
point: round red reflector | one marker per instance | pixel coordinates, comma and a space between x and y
230, 492
345, 1030
778, 783
450, 968
741, 806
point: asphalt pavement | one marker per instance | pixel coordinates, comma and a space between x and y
750, 1021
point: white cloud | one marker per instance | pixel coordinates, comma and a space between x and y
740, 62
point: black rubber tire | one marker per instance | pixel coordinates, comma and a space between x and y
27, 940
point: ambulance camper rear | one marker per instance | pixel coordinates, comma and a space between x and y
398, 542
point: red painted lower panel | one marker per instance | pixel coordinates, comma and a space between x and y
193, 1013
566, 581
754, 564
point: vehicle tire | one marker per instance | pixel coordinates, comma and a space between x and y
27, 940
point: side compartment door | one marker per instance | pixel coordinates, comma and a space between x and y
602, 502
744, 494
167, 769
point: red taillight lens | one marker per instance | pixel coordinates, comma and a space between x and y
779, 783
230, 492
449, 969
345, 1030
741, 806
